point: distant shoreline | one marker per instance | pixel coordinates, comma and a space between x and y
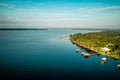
23, 29
56, 28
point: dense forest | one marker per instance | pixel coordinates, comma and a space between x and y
105, 42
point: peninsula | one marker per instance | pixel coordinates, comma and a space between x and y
104, 42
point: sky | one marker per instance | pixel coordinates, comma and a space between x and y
60, 14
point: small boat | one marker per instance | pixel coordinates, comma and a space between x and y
86, 55
77, 50
82, 53
118, 66
103, 60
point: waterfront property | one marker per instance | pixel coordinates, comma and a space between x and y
105, 42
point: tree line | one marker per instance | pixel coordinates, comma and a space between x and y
97, 40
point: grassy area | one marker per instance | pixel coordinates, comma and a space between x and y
105, 42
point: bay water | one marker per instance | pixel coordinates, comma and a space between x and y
42, 55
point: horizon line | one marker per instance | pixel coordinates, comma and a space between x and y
58, 28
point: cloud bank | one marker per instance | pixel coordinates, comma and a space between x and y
102, 9
8, 5
55, 15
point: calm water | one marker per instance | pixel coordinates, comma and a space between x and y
40, 54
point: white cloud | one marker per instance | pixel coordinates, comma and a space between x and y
11, 6
20, 9
7, 5
36, 16
102, 9
41, 4
112, 8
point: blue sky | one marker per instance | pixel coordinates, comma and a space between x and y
60, 13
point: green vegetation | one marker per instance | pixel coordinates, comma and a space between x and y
105, 42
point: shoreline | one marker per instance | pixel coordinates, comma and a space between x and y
91, 51
87, 49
